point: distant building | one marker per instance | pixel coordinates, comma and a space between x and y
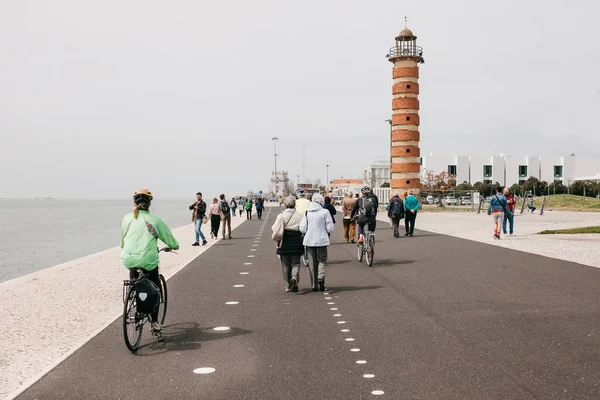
377, 173
508, 170
343, 186
279, 182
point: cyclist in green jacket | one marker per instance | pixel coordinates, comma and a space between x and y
140, 232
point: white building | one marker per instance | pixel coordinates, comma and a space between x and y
377, 173
279, 181
508, 170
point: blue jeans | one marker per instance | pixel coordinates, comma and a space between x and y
199, 233
510, 217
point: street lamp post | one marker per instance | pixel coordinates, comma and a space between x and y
275, 139
389, 121
327, 183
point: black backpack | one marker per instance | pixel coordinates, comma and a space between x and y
225, 207
368, 206
146, 295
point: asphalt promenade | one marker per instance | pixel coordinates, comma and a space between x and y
436, 317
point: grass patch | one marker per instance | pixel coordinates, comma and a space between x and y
570, 202
574, 231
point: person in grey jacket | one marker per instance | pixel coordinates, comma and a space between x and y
498, 206
316, 225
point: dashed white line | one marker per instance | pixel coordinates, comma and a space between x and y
361, 362
221, 328
232, 303
349, 339
345, 330
244, 273
238, 286
337, 315
333, 309
377, 392
355, 350
204, 370
247, 263
341, 322
251, 256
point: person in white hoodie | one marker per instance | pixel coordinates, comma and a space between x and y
316, 225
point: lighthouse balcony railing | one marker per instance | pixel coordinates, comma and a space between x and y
414, 51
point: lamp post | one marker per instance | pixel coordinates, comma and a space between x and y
389, 121
275, 139
327, 182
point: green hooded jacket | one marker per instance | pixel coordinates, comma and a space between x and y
139, 240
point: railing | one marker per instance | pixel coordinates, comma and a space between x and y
410, 51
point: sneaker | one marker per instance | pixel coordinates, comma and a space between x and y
204, 243
410, 235
315, 289
156, 326
353, 241
287, 288
294, 285
321, 285
406, 234
512, 235
212, 235
195, 244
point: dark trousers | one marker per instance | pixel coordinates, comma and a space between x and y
259, 213
153, 276
409, 222
396, 226
248, 214
215, 223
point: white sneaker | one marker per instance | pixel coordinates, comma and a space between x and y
156, 326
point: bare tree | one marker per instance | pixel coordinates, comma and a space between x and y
317, 183
289, 187
370, 178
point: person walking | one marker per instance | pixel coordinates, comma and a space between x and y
140, 231
510, 216
225, 215
316, 225
198, 215
349, 221
411, 208
249, 209
233, 205
497, 208
215, 218
286, 231
330, 208
242, 206
396, 213
259, 207
302, 204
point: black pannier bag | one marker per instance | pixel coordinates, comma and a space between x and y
146, 293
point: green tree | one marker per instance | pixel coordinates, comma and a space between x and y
516, 189
464, 186
531, 184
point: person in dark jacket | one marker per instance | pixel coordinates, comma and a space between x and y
199, 212
396, 213
329, 207
290, 247
259, 208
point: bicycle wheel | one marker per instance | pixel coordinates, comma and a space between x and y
361, 251
162, 302
370, 251
132, 327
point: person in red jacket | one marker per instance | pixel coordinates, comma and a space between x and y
510, 216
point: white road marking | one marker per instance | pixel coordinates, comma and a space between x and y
337, 315
368, 376
231, 303
345, 330
251, 256
333, 309
247, 263
377, 392
244, 273
221, 328
341, 322
349, 339
361, 362
238, 285
356, 350
204, 370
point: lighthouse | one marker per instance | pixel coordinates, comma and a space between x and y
405, 154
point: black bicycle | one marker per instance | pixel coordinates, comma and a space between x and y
366, 248
133, 320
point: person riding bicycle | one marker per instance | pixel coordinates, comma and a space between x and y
302, 204
140, 231
366, 211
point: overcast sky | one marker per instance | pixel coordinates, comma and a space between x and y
99, 98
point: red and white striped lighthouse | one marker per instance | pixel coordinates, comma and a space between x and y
405, 154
